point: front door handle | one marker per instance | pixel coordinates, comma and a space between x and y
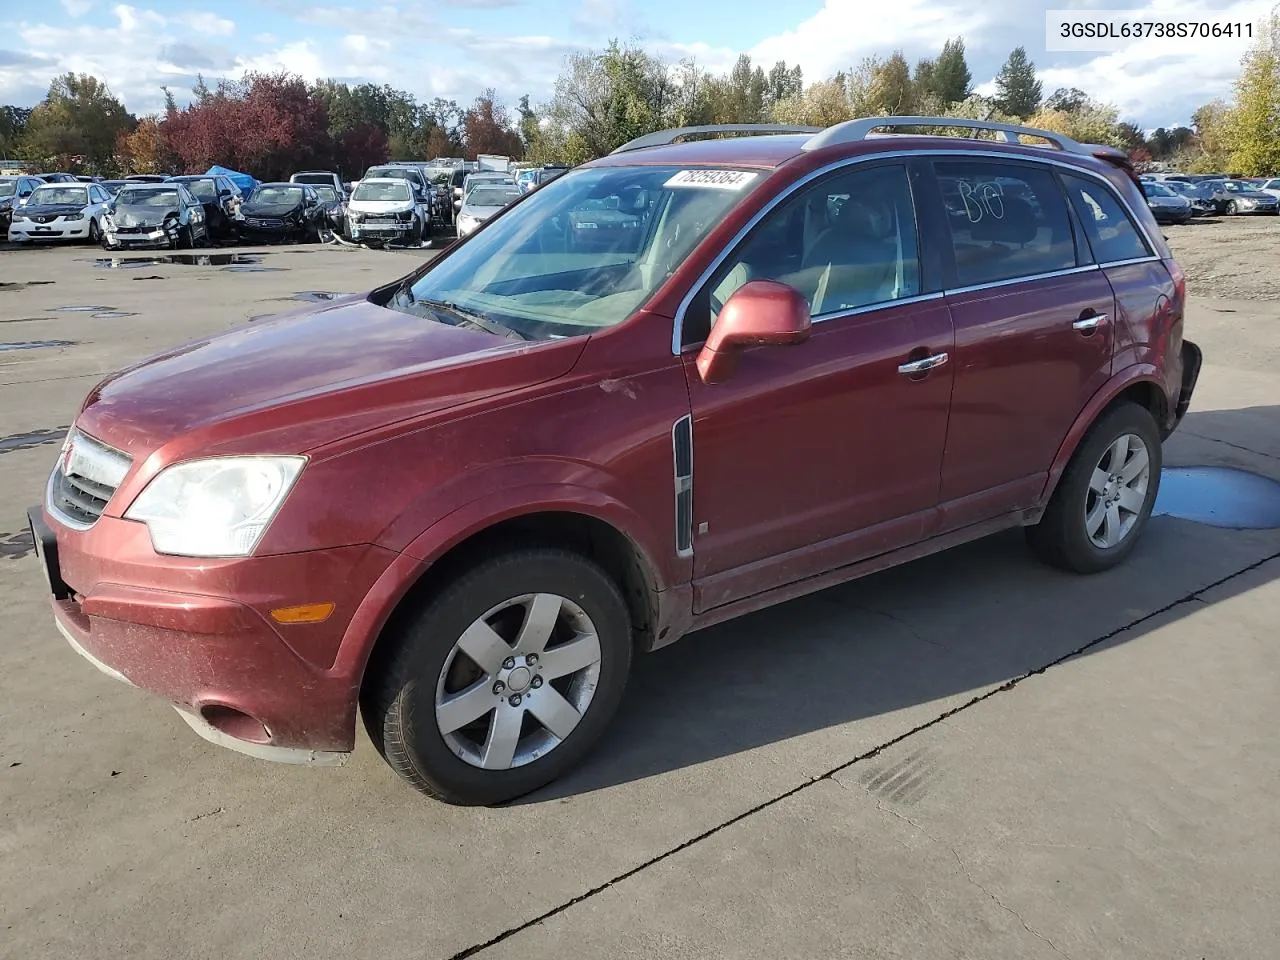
920, 366
1090, 323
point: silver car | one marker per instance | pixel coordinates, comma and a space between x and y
482, 202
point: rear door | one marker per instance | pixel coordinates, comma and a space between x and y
1033, 322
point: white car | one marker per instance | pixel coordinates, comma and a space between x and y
475, 178
1271, 186
484, 200
384, 208
60, 211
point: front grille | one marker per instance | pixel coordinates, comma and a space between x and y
132, 230
268, 222
86, 477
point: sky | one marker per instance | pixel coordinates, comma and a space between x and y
456, 49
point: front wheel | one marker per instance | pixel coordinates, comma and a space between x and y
504, 680
1105, 496
95, 235
1232, 208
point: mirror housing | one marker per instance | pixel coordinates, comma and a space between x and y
760, 313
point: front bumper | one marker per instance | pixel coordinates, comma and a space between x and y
164, 235
21, 232
379, 231
200, 635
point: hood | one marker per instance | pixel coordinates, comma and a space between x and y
1168, 201
316, 375
50, 209
129, 215
251, 209
1248, 195
380, 206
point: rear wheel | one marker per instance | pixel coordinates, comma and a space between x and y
1105, 496
504, 680
1232, 208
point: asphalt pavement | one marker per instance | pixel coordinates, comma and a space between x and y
969, 756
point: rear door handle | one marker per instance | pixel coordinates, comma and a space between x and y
1090, 323
927, 363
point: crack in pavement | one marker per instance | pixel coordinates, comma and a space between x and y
912, 631
1004, 906
1237, 446
830, 775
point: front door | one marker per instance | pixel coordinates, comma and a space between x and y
814, 456
1033, 322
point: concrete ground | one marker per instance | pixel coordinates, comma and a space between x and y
970, 756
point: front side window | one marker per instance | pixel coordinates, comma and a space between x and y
847, 242
1006, 221
584, 253
1111, 234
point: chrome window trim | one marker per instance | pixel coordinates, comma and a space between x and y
677, 326
1048, 274
1125, 263
879, 305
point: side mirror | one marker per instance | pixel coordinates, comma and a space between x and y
760, 313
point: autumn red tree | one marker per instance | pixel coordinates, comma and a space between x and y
147, 148
486, 128
360, 148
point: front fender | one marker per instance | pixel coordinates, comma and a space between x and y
1120, 382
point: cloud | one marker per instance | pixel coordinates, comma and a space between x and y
77, 8
208, 24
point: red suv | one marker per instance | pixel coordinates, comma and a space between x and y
463, 501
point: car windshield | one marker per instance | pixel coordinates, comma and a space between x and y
1158, 190
313, 178
492, 196
61, 195
395, 173
204, 189
381, 191
276, 193
557, 266
135, 197
327, 194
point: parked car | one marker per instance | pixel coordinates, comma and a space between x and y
14, 192
1234, 197
1167, 205
317, 177
58, 177
148, 177
60, 211
281, 213
1271, 186
385, 209
483, 202
549, 172
221, 199
145, 214
1201, 199
333, 206
466, 500
526, 180
85, 178
113, 186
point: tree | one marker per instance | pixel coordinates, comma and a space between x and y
528, 122
1210, 125
146, 149
950, 80
1252, 128
1066, 100
1132, 138
13, 121
77, 124
1018, 91
486, 128
1091, 122
782, 82
890, 91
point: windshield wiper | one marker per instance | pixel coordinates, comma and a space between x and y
468, 317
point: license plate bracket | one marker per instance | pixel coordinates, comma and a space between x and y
46, 548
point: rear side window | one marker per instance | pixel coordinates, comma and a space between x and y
1112, 234
1006, 221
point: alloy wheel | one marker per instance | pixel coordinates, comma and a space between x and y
518, 681
1117, 491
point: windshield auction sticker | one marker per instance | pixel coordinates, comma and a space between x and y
715, 179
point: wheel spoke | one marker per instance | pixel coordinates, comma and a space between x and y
1131, 500
456, 710
484, 646
1111, 526
1119, 452
555, 712
539, 621
1093, 522
570, 657
1098, 481
504, 734
1134, 468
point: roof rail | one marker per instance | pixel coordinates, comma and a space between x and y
852, 131
664, 137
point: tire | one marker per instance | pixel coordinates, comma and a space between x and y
95, 235
1062, 538
425, 664
1232, 209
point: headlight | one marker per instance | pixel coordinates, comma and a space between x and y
214, 508
73, 216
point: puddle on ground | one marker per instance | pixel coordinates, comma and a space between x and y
24, 319
247, 268
15, 546
150, 276
182, 259
35, 438
35, 344
1219, 497
96, 311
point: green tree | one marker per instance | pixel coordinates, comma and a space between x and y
950, 80
13, 121
1018, 92
890, 90
528, 122
77, 124
1210, 125
1251, 132
1067, 100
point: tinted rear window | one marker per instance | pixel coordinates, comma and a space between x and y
1112, 234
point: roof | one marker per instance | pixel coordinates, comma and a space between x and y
765, 151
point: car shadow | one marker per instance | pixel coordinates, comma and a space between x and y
938, 631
